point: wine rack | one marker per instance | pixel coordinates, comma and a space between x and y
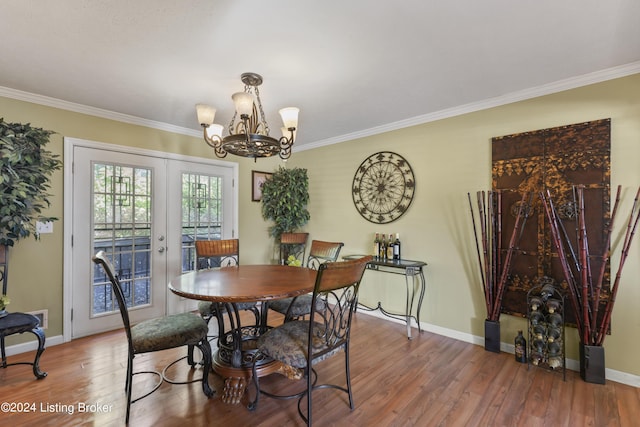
545, 318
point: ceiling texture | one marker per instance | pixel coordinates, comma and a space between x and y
353, 67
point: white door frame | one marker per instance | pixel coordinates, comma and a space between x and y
69, 144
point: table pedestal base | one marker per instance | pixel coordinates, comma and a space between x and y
237, 379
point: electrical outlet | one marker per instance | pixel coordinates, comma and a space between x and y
44, 227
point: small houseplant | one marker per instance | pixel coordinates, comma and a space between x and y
284, 200
4, 301
25, 170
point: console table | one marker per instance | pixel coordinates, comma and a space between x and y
411, 270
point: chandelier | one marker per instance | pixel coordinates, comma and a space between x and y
249, 137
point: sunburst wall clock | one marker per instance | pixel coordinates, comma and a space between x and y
383, 187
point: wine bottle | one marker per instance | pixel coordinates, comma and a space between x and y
520, 348
376, 246
388, 254
396, 247
383, 247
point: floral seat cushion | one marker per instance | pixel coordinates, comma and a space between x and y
287, 343
301, 306
168, 332
207, 308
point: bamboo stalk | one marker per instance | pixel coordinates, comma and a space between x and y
492, 233
475, 235
605, 259
553, 225
487, 261
499, 233
631, 231
507, 262
582, 244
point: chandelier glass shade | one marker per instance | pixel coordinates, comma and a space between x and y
249, 137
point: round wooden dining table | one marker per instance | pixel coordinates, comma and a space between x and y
229, 286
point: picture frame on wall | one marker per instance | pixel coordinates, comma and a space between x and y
257, 180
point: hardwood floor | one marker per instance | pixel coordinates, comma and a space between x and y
428, 381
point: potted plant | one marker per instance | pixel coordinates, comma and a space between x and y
284, 200
4, 301
25, 169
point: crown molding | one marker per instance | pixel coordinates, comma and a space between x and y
522, 95
547, 89
92, 111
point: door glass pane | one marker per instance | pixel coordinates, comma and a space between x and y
122, 228
201, 213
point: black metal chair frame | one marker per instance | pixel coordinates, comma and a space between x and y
321, 252
329, 330
203, 345
293, 244
18, 323
226, 253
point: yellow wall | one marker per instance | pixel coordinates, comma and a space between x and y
449, 157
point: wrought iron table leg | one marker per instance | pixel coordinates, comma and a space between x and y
411, 272
409, 300
39, 333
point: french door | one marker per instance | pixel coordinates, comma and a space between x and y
144, 211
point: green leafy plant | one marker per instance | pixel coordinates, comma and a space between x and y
25, 170
284, 200
4, 301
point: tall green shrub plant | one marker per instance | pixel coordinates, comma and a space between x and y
284, 200
25, 169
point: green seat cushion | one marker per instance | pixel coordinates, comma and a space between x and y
208, 308
301, 305
287, 343
171, 331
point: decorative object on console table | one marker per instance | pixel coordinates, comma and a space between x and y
397, 248
495, 262
585, 286
545, 318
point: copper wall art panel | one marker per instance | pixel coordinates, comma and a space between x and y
554, 160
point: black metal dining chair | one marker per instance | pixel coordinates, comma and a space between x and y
216, 254
163, 333
293, 244
301, 344
320, 253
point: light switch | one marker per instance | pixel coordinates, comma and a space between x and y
44, 227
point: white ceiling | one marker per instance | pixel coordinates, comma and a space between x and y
353, 67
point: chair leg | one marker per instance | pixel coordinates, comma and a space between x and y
348, 372
129, 386
254, 377
207, 357
4, 355
309, 392
190, 360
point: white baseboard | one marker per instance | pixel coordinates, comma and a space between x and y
574, 365
33, 345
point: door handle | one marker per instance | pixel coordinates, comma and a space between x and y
161, 249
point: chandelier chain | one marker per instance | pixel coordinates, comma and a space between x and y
262, 115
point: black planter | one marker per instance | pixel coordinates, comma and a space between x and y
592, 363
492, 335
